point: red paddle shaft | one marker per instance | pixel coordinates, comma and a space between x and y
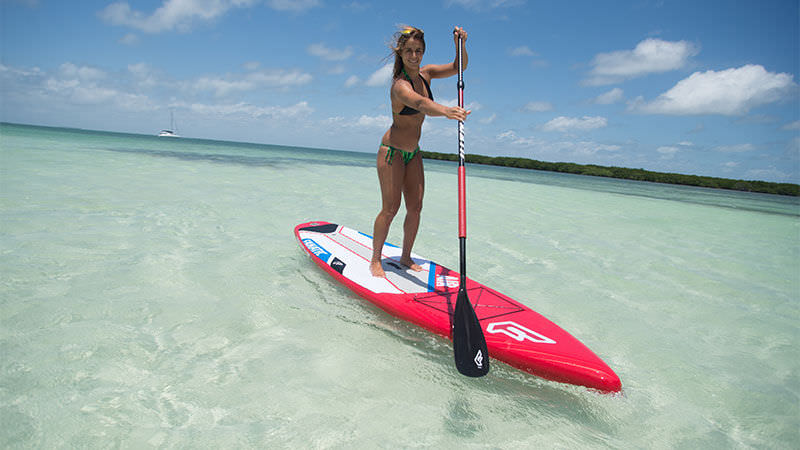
462, 190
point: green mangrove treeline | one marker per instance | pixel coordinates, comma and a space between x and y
625, 173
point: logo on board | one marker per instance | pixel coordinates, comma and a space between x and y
518, 332
316, 249
338, 265
445, 281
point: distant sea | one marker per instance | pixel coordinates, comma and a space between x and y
152, 294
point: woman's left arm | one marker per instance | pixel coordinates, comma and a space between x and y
448, 70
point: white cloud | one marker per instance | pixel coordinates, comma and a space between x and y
727, 92
172, 14
337, 69
739, 148
567, 124
84, 73
129, 39
229, 84
300, 109
380, 121
293, 5
613, 96
768, 174
482, 5
134, 102
279, 78
73, 84
587, 148
221, 87
729, 166
512, 138
792, 126
526, 52
559, 149
793, 147
357, 6
15, 73
649, 56
322, 51
488, 120
523, 50
83, 85
140, 90
60, 86
351, 81
538, 107
667, 152
381, 76
143, 74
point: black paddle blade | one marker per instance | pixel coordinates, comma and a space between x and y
469, 345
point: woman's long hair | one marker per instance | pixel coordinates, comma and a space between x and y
399, 41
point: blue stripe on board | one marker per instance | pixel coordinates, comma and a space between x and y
431, 276
385, 243
316, 249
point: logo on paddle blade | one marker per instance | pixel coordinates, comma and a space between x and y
518, 332
479, 360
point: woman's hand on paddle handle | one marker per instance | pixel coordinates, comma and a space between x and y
459, 31
457, 113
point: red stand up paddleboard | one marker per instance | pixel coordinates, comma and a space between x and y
514, 333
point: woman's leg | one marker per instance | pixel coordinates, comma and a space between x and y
413, 192
390, 177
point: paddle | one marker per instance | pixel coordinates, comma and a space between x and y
469, 345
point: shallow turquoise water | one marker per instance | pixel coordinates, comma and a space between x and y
152, 294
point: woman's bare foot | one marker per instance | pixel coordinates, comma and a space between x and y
376, 269
408, 262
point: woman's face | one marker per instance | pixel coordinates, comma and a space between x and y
412, 53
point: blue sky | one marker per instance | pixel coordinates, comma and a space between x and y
701, 86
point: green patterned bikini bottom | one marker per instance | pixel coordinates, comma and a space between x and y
407, 156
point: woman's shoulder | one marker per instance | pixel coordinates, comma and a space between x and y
427, 71
400, 83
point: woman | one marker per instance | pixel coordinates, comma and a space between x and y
399, 164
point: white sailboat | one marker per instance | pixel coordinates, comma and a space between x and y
171, 132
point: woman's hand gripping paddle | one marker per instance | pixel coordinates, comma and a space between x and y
469, 344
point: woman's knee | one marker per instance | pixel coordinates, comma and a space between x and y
390, 210
414, 207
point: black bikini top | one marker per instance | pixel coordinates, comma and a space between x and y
409, 111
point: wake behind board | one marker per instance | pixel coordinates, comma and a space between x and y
514, 333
